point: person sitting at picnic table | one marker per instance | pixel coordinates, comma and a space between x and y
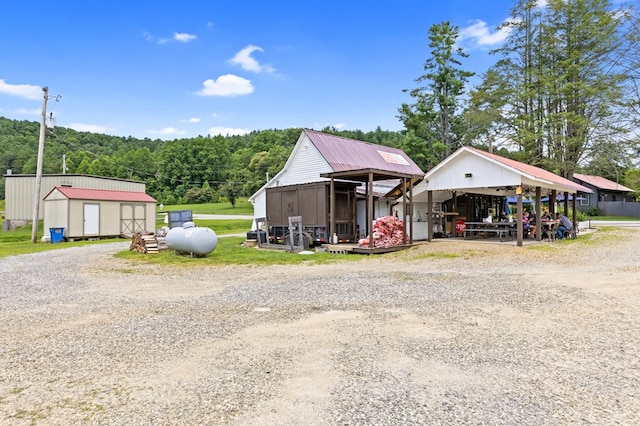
503, 216
532, 223
526, 226
545, 215
563, 225
489, 218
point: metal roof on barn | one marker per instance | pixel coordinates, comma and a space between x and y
601, 183
344, 154
102, 194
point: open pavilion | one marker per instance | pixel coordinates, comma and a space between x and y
472, 171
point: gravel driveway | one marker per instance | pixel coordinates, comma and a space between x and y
450, 332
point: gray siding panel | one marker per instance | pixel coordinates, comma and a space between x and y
20, 190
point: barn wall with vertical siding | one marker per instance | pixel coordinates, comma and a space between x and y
20, 190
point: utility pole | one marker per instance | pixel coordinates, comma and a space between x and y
36, 197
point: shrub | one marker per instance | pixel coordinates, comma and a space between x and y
591, 211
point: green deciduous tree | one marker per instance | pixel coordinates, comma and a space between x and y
188, 163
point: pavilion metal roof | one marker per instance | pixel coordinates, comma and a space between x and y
524, 174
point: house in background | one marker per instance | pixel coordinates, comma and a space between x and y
611, 198
98, 213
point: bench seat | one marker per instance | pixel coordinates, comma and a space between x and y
503, 233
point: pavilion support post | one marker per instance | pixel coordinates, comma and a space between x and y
370, 209
404, 210
538, 235
411, 213
519, 221
429, 215
552, 203
332, 214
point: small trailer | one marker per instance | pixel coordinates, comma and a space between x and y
311, 201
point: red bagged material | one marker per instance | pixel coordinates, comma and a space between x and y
388, 231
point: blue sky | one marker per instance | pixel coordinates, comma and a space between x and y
176, 69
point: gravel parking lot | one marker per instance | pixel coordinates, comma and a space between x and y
449, 332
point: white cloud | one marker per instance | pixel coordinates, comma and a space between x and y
93, 128
154, 39
22, 90
480, 34
184, 37
228, 131
244, 59
167, 131
191, 120
181, 37
227, 85
339, 126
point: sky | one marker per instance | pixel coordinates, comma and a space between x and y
180, 69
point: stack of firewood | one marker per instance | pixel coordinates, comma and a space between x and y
144, 242
388, 231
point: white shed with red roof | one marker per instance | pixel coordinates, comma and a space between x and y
98, 213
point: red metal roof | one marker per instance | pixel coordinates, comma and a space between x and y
601, 183
103, 194
534, 171
344, 154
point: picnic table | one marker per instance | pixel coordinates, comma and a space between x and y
549, 229
504, 230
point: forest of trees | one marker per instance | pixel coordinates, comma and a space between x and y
190, 170
563, 94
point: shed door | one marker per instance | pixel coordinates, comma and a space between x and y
91, 219
132, 219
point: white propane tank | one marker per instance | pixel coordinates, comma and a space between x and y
189, 238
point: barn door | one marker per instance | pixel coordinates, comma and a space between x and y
91, 219
132, 219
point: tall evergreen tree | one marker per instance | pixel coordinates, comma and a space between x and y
561, 78
435, 116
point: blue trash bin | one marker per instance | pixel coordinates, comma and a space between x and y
57, 234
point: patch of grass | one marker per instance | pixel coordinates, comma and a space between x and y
230, 251
26, 247
18, 241
605, 233
219, 226
437, 255
541, 247
17, 390
243, 206
612, 218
